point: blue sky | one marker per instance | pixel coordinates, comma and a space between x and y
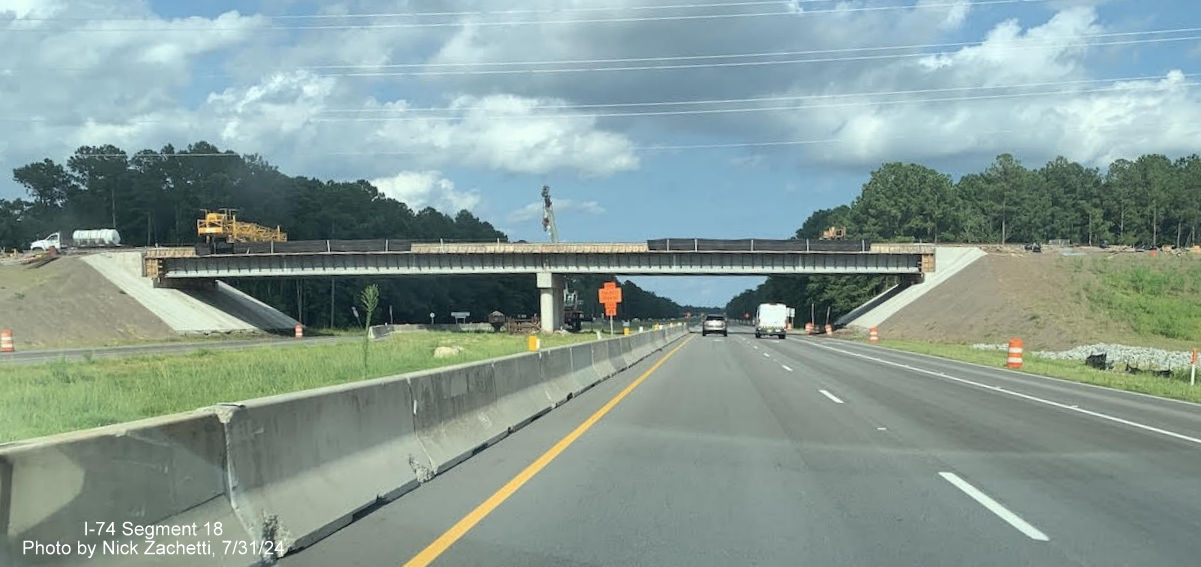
1033, 78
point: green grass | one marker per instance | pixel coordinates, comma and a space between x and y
1162, 299
44, 399
1176, 387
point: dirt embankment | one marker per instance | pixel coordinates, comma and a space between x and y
1049, 300
68, 303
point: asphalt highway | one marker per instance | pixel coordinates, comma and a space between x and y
810, 451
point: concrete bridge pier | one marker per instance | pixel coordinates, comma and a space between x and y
550, 301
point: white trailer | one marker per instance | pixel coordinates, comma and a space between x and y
771, 319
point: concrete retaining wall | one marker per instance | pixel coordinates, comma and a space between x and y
294, 467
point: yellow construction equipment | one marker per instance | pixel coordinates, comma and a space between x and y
834, 233
224, 226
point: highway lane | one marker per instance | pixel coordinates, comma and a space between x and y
81, 353
769, 452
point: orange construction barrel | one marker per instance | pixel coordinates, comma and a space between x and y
299, 331
1014, 359
6, 341
829, 329
874, 335
809, 328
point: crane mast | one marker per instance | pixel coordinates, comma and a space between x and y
548, 215
572, 313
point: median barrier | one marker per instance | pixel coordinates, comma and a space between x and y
308, 462
649, 344
601, 360
167, 470
617, 355
583, 372
291, 468
456, 413
521, 394
637, 344
558, 381
627, 351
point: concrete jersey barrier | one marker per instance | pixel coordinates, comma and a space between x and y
292, 468
166, 470
456, 413
558, 380
583, 371
602, 363
308, 462
521, 394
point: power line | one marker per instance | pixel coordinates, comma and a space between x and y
751, 109
1005, 96
745, 55
744, 63
468, 12
925, 136
803, 13
1000, 45
758, 99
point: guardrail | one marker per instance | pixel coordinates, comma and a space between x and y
287, 469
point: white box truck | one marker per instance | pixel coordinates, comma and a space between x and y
771, 319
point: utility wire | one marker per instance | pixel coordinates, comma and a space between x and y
755, 54
746, 110
1111, 88
405, 25
744, 63
754, 99
925, 136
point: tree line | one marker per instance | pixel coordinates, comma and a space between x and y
155, 197
1152, 200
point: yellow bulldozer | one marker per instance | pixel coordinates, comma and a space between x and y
223, 226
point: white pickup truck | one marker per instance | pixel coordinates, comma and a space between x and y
771, 319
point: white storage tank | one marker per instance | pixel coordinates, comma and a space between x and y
102, 237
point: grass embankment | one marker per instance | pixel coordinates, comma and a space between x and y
50, 398
1176, 387
1156, 299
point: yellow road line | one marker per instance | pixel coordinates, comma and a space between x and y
447, 539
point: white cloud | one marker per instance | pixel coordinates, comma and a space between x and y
956, 13
419, 189
232, 81
1093, 123
145, 88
